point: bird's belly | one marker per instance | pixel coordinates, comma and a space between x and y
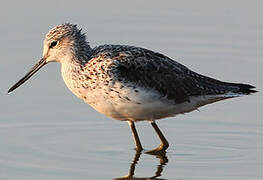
134, 104
146, 105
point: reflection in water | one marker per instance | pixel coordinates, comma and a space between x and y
163, 161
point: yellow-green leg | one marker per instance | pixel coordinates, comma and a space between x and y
164, 143
135, 136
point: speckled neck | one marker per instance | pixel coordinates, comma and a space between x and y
82, 50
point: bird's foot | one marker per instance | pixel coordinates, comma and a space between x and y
161, 150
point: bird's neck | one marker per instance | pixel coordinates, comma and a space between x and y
71, 67
82, 52
70, 71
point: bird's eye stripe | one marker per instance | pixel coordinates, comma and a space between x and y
53, 44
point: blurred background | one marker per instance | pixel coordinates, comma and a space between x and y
48, 133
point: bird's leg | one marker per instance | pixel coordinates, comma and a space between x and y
164, 143
135, 136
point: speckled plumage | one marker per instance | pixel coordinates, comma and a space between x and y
116, 74
130, 83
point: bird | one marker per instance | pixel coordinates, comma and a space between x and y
130, 83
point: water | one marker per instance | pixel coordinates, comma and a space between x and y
47, 133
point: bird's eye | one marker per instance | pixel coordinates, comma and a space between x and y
53, 44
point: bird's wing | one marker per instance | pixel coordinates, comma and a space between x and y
152, 70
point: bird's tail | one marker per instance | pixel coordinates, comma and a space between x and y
245, 89
230, 89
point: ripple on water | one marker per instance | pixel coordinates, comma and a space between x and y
49, 147
70, 148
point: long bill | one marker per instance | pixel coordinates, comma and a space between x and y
33, 70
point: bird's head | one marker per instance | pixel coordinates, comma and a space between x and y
63, 43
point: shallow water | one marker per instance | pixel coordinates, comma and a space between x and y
47, 133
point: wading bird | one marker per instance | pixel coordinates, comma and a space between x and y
130, 83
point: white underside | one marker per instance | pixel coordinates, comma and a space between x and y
143, 105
